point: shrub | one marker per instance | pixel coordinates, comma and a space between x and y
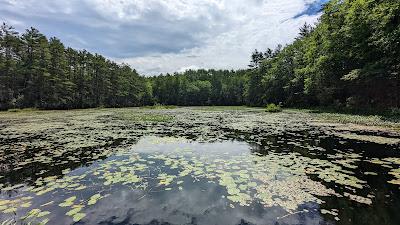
273, 108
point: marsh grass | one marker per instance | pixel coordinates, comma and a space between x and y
370, 138
222, 108
23, 110
136, 117
374, 120
389, 118
160, 107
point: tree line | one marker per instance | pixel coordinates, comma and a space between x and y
201, 87
42, 73
349, 59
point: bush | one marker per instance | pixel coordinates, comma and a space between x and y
273, 108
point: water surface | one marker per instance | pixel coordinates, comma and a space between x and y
275, 175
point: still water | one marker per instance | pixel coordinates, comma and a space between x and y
169, 180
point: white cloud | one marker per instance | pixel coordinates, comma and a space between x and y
128, 10
157, 36
252, 27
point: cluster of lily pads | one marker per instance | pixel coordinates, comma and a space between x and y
33, 146
276, 179
393, 164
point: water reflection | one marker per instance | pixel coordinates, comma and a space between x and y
169, 180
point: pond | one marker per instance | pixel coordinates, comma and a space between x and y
98, 167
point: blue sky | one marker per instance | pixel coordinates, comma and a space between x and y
159, 36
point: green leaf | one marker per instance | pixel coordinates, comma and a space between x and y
77, 217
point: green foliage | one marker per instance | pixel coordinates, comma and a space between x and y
349, 59
160, 106
200, 87
273, 108
39, 73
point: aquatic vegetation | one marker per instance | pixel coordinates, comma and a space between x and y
358, 199
370, 120
370, 138
35, 216
390, 163
257, 181
78, 216
165, 179
70, 167
68, 202
145, 117
160, 107
94, 199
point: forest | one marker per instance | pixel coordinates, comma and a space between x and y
42, 73
349, 59
303, 133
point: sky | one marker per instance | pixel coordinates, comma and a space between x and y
166, 36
